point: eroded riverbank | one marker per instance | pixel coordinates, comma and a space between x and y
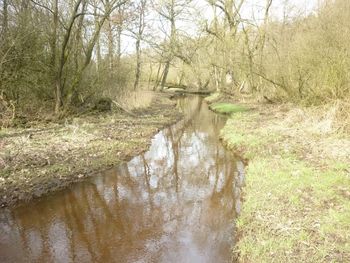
40, 160
174, 203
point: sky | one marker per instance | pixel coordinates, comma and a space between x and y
255, 8
252, 9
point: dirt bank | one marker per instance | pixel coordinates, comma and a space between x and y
297, 196
43, 159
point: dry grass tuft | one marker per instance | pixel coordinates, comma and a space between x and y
137, 99
342, 115
7, 112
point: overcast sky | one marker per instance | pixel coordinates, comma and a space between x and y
252, 9
255, 8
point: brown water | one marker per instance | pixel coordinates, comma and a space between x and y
175, 203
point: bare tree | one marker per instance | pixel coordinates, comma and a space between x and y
170, 12
141, 12
109, 7
78, 11
4, 18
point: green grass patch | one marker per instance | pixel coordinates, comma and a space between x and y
227, 108
294, 210
293, 213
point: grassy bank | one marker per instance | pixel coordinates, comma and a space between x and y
297, 196
227, 108
48, 157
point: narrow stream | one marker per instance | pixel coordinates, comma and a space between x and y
175, 203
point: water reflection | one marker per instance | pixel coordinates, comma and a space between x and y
175, 203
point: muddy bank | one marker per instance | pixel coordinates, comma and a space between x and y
41, 160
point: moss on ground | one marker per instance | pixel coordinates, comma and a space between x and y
227, 108
297, 196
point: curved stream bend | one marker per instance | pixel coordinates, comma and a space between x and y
175, 203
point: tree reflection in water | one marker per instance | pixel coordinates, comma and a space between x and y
175, 203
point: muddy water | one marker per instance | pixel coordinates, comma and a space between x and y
175, 203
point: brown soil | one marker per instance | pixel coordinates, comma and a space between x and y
50, 157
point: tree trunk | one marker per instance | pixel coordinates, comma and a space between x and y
138, 64
150, 75
157, 77
63, 58
110, 48
99, 56
5, 20
53, 44
165, 75
58, 96
98, 45
172, 46
119, 44
141, 26
78, 36
89, 50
